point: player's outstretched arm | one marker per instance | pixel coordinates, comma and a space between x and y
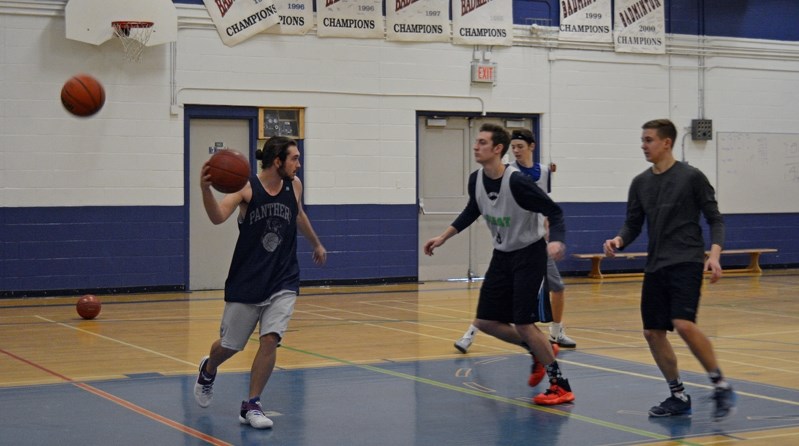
435, 242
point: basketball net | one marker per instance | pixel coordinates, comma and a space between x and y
133, 35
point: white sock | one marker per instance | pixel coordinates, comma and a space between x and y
554, 329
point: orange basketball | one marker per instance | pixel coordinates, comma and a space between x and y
229, 170
88, 306
82, 95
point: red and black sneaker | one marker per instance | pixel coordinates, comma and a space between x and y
559, 392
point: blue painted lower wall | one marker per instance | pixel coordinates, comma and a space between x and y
364, 242
145, 248
80, 248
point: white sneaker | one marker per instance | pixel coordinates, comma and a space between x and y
562, 340
253, 414
203, 390
463, 344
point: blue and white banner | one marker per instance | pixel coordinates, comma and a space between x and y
238, 20
361, 19
296, 17
586, 21
417, 20
640, 26
482, 22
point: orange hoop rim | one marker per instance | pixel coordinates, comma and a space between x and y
128, 24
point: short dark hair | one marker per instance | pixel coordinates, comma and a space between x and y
664, 127
275, 147
498, 135
523, 134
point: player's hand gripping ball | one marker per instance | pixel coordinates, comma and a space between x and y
229, 171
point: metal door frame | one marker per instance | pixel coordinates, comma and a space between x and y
505, 117
249, 114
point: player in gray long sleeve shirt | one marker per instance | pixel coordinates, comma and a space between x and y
671, 202
670, 197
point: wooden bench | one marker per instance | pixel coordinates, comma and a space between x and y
753, 268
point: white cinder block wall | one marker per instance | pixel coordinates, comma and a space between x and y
361, 98
130, 154
362, 95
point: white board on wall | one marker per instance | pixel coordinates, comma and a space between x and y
757, 172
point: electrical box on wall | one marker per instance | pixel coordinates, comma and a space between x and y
701, 129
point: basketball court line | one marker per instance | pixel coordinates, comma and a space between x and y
772, 314
122, 402
605, 369
378, 325
498, 398
560, 360
417, 306
375, 325
126, 344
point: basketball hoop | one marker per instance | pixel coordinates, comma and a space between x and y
133, 35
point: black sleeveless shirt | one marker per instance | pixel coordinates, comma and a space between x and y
265, 259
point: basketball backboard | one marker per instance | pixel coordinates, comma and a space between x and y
90, 20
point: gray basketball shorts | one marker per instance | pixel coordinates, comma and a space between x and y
553, 276
272, 316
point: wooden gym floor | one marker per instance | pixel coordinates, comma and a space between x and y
375, 365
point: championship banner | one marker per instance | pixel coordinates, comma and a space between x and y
640, 26
586, 21
296, 17
361, 19
417, 20
482, 22
238, 20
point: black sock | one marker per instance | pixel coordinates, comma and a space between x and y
678, 389
717, 378
553, 371
206, 377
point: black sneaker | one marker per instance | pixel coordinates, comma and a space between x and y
671, 407
725, 403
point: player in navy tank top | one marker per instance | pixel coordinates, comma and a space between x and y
264, 277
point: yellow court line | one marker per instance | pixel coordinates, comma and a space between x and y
580, 364
687, 383
470, 391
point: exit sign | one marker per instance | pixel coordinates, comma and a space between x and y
484, 72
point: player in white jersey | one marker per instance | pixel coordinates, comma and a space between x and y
510, 203
523, 146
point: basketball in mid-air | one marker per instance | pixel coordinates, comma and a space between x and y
82, 95
88, 306
229, 171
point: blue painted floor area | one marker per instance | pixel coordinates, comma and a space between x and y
462, 401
